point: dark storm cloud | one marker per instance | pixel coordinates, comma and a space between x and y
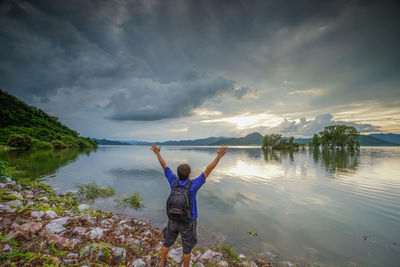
149, 60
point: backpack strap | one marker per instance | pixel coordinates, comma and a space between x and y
176, 183
188, 185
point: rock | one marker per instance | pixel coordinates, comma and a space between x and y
79, 230
18, 235
97, 233
54, 228
4, 207
32, 227
2, 185
222, 264
28, 192
15, 203
6, 248
70, 261
119, 254
6, 222
68, 213
242, 256
122, 237
199, 264
51, 214
9, 181
61, 241
37, 214
87, 219
210, 255
176, 254
17, 194
43, 199
253, 264
72, 255
83, 207
139, 263
29, 196
147, 233
76, 241
130, 240
61, 221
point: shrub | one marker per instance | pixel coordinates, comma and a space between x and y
21, 141
43, 145
93, 190
133, 201
57, 144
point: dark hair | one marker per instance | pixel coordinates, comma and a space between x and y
183, 171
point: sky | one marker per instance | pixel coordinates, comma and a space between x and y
171, 70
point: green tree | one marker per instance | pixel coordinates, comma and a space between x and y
270, 141
339, 136
21, 141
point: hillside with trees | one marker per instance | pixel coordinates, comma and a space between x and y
24, 126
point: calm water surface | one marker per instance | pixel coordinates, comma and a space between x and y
311, 207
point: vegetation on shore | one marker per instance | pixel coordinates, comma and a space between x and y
27, 127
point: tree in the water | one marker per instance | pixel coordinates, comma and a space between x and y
338, 136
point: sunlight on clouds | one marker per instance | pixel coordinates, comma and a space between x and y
311, 91
181, 130
247, 120
206, 113
385, 115
288, 82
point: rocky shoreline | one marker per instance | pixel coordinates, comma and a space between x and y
40, 227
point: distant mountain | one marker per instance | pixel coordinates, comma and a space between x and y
389, 137
195, 142
137, 143
368, 140
302, 140
249, 140
110, 142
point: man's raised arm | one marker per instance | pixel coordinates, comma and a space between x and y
220, 153
156, 150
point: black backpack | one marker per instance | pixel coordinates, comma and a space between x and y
178, 203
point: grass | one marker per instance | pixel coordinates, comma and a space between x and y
133, 201
231, 253
93, 190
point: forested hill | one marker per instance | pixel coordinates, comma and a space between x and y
32, 127
248, 140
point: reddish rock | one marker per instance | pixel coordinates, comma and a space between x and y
6, 222
18, 235
32, 227
61, 241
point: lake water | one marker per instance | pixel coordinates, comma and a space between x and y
329, 208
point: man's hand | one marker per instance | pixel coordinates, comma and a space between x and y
156, 149
221, 151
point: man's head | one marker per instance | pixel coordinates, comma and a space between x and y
183, 171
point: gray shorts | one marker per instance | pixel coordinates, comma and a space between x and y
187, 231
